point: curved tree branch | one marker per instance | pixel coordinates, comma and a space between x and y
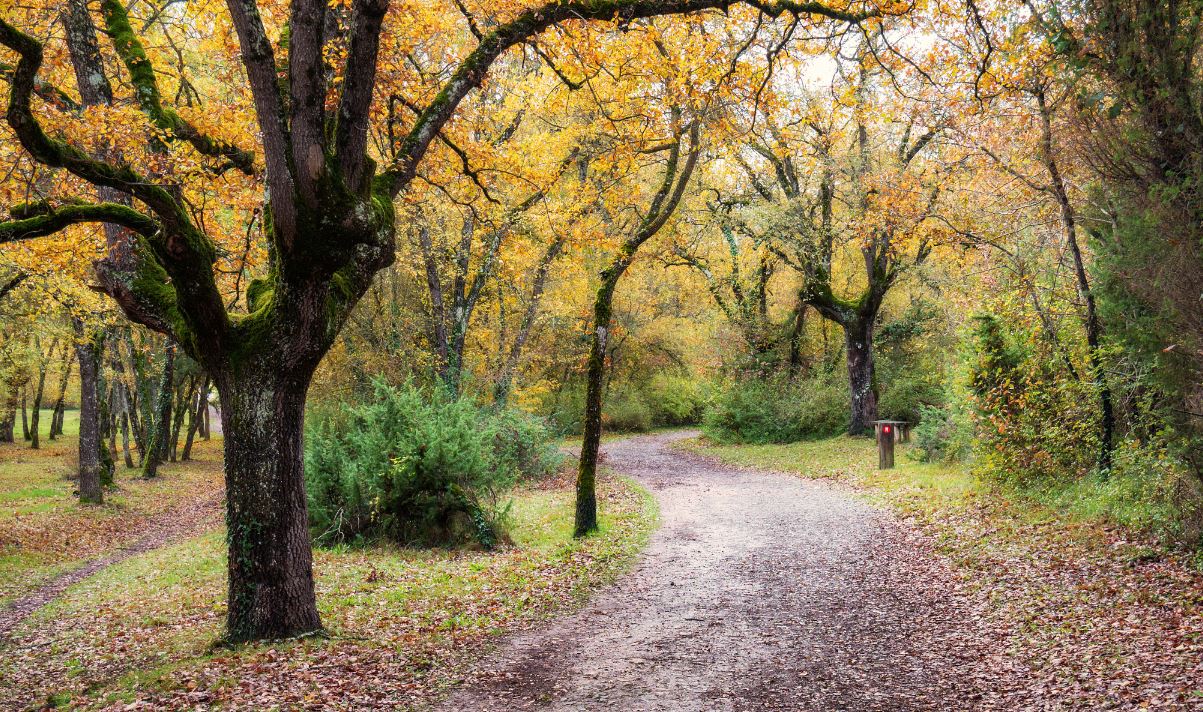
472, 69
146, 88
39, 220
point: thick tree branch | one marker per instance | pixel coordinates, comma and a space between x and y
358, 84
146, 88
307, 87
259, 59
58, 154
39, 220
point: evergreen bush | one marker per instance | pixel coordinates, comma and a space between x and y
419, 468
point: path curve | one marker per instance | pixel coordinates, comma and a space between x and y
761, 591
186, 520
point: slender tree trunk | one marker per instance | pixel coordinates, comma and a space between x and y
35, 416
204, 428
195, 417
862, 374
87, 352
56, 422
586, 484
1093, 328
796, 334
271, 592
9, 421
25, 412
183, 406
123, 418
505, 379
160, 427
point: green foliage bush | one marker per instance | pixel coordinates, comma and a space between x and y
664, 400
908, 393
625, 410
1035, 424
776, 411
418, 468
943, 433
1148, 489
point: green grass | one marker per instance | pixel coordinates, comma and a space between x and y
145, 625
43, 528
913, 486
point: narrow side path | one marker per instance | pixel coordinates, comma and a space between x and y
189, 519
761, 591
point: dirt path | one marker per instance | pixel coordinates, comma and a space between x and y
183, 521
760, 592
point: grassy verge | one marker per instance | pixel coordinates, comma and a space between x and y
403, 623
1099, 614
45, 531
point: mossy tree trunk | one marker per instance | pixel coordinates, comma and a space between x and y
862, 374
8, 419
35, 415
56, 421
586, 482
160, 425
664, 202
270, 565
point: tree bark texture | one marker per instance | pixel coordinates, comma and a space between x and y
270, 565
87, 352
586, 483
862, 375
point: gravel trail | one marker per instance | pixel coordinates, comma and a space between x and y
761, 591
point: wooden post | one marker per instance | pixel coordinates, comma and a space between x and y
885, 446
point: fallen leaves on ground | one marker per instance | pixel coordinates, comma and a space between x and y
401, 622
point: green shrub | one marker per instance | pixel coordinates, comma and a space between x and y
421, 469
625, 410
1148, 489
1035, 424
943, 433
774, 411
904, 396
675, 399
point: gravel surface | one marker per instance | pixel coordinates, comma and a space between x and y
760, 591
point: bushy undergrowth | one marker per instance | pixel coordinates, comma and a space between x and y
777, 411
419, 468
1036, 429
943, 433
663, 400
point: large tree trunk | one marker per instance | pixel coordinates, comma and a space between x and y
271, 591
862, 374
87, 352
